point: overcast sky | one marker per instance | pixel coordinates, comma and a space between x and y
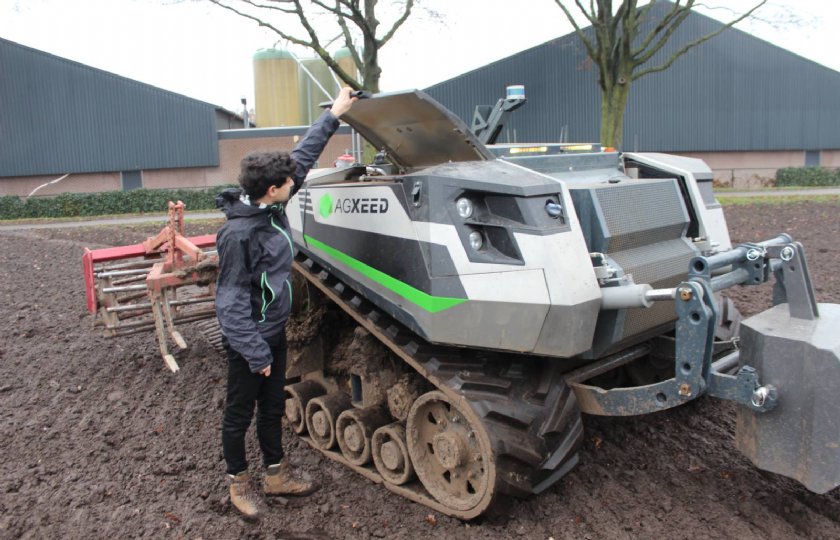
204, 52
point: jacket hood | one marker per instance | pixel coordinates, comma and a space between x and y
229, 203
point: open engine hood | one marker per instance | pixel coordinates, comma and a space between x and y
415, 130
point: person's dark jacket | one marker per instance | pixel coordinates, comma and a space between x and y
254, 290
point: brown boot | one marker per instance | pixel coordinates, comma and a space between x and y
279, 480
242, 496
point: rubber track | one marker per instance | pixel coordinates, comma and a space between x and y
212, 333
529, 413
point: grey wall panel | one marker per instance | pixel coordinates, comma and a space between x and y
560, 84
733, 93
59, 116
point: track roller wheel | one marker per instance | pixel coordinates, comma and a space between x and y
451, 453
321, 414
390, 454
298, 397
354, 429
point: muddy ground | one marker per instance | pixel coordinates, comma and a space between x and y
99, 440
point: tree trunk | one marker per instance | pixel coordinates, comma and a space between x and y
613, 105
370, 50
371, 72
370, 77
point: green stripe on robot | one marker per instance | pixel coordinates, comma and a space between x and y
432, 304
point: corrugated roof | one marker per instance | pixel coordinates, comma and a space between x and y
732, 93
59, 116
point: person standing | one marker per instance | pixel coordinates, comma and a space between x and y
253, 301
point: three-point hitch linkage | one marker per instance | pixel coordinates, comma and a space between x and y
788, 422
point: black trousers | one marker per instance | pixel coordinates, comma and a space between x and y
244, 391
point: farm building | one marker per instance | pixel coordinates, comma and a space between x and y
97, 131
745, 106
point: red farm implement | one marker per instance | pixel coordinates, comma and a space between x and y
166, 280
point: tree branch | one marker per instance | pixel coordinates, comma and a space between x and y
353, 17
408, 5
358, 18
315, 45
590, 15
334, 10
267, 6
260, 22
590, 47
675, 22
348, 41
623, 9
669, 17
695, 43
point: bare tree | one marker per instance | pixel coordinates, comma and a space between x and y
316, 24
620, 48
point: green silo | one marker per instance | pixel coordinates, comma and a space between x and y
276, 88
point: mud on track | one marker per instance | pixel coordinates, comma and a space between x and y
99, 440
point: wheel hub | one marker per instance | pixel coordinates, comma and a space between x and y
354, 438
392, 456
320, 423
450, 449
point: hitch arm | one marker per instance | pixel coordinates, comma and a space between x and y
694, 372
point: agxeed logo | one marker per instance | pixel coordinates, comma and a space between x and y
361, 205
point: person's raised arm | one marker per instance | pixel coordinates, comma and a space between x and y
342, 102
309, 149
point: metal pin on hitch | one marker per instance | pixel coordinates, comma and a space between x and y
786, 254
762, 394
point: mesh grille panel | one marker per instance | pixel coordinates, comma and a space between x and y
641, 213
656, 262
661, 265
641, 225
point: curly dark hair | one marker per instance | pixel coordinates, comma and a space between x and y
261, 170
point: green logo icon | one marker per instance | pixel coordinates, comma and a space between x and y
325, 205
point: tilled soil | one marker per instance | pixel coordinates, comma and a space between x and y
100, 440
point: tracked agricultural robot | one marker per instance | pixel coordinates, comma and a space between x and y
520, 286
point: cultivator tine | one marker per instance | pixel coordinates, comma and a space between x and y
161, 337
178, 339
170, 362
167, 312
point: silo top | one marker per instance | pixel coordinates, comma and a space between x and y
272, 54
343, 52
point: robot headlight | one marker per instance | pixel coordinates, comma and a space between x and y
476, 240
553, 209
465, 207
